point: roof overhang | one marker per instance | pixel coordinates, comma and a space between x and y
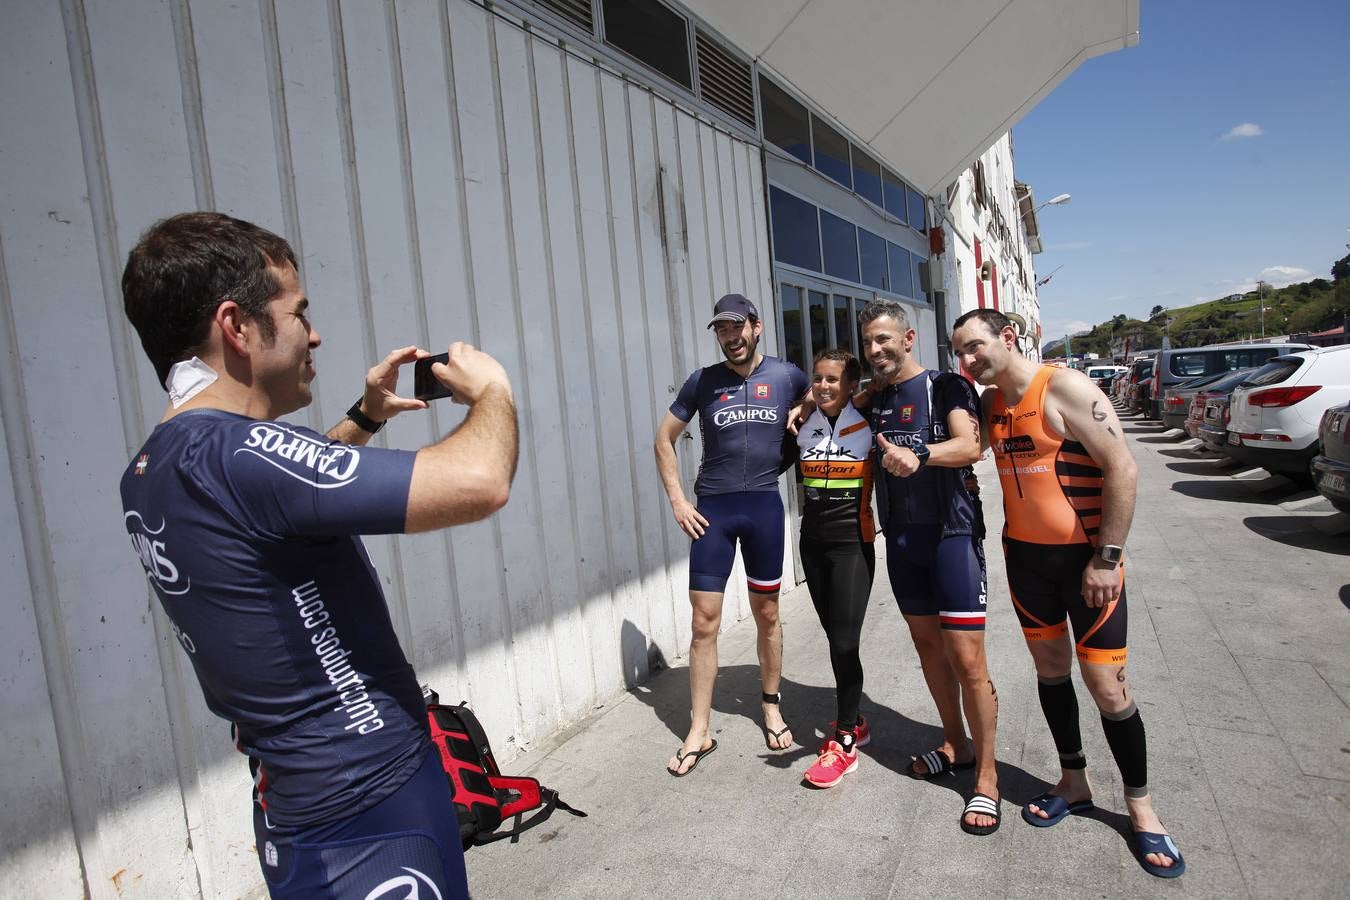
928, 84
1026, 211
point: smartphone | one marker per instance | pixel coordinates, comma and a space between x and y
427, 386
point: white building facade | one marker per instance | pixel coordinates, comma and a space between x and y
568, 184
990, 235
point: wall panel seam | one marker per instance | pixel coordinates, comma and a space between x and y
199, 152
560, 381
607, 597
71, 747
525, 421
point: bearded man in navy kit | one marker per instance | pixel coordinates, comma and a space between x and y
248, 529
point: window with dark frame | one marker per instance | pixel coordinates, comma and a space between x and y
867, 178
651, 33
839, 243
872, 260
786, 122
796, 231
893, 190
902, 280
831, 153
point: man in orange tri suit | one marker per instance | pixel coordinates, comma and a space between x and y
1068, 484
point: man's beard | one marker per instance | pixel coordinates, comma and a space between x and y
748, 348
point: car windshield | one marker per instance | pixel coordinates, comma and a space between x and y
1229, 380
1275, 371
1197, 383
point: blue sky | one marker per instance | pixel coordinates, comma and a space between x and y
1214, 153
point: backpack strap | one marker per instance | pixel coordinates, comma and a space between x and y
527, 787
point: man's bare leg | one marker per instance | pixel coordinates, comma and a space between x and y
970, 668
926, 633
705, 623
769, 644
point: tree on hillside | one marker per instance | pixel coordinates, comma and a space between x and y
1156, 311
1341, 268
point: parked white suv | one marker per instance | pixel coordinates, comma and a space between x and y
1274, 415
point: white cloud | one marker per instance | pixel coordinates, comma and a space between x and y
1057, 328
1245, 130
1275, 276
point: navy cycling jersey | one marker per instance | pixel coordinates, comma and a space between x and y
247, 532
743, 422
912, 412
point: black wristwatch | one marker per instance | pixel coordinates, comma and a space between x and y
922, 452
363, 421
1110, 553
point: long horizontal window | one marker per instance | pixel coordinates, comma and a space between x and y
818, 240
789, 125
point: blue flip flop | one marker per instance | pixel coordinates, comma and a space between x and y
1056, 808
1146, 842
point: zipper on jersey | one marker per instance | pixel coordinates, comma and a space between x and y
1017, 481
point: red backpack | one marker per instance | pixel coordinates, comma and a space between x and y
483, 796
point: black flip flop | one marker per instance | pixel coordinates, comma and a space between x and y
938, 764
984, 805
774, 700
695, 755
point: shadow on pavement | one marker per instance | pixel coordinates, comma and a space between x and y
1163, 438
1199, 467
1345, 596
1232, 491
1192, 453
809, 710
1298, 531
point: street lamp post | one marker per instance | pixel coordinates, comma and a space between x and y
1056, 200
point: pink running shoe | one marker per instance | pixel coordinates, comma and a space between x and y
832, 765
862, 735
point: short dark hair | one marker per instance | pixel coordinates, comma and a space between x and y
994, 320
852, 368
184, 267
878, 308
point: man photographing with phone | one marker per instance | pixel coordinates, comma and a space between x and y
248, 529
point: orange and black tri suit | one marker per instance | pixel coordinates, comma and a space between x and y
1052, 500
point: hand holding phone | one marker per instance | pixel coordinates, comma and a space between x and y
426, 386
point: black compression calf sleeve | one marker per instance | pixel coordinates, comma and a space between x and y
1060, 705
1126, 739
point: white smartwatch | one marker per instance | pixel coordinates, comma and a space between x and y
1110, 553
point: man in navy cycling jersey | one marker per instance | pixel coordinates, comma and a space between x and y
248, 530
743, 406
927, 435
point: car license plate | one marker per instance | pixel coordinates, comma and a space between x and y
1332, 482
1234, 438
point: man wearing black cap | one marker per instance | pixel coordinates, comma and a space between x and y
742, 405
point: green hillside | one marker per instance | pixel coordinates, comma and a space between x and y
1296, 309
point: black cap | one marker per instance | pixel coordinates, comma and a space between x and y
733, 308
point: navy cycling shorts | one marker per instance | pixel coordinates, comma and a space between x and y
407, 845
755, 518
936, 576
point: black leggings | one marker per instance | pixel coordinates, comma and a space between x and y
839, 577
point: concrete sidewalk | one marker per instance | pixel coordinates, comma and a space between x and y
1239, 632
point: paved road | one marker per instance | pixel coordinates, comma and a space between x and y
1239, 592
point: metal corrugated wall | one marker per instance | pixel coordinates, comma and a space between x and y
444, 173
